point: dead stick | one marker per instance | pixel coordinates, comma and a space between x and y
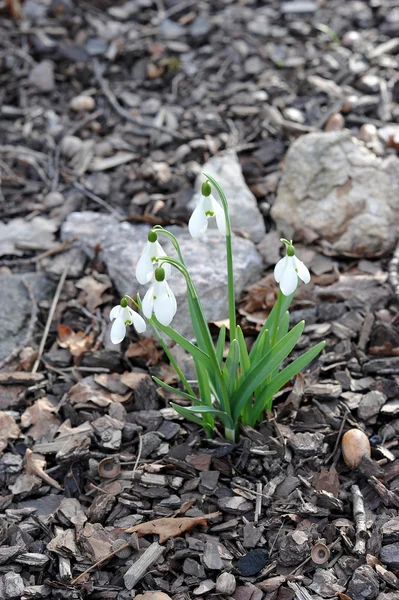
360, 520
50, 318
29, 333
99, 562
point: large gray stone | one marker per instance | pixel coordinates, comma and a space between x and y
334, 186
16, 306
244, 213
121, 246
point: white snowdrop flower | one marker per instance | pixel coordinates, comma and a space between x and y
288, 269
122, 315
147, 261
160, 299
206, 208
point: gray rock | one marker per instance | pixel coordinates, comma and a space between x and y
334, 186
150, 442
294, 548
16, 306
226, 584
364, 584
370, 406
13, 585
307, 444
390, 555
325, 583
200, 27
244, 213
42, 76
122, 245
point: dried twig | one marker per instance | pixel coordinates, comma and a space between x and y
50, 318
359, 515
29, 331
99, 562
125, 113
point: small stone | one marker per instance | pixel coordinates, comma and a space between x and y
208, 481
53, 199
170, 29
192, 567
293, 114
226, 584
150, 442
370, 84
294, 548
253, 562
370, 406
82, 103
307, 444
13, 585
211, 557
364, 584
389, 555
254, 65
335, 123
70, 145
151, 596
205, 586
42, 76
200, 27
150, 106
325, 583
368, 132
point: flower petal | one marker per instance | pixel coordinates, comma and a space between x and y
118, 331
138, 321
198, 221
289, 278
220, 216
302, 270
144, 267
115, 312
148, 302
279, 268
164, 306
172, 298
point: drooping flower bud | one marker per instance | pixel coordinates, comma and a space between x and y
159, 274
152, 236
206, 189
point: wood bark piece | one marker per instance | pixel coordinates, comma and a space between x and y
170, 527
141, 566
359, 514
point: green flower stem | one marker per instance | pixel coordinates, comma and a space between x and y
279, 303
202, 323
229, 252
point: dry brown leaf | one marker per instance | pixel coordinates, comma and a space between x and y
94, 288
87, 391
35, 464
145, 349
42, 419
169, 527
77, 343
9, 430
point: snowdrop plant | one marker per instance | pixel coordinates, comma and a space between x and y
234, 384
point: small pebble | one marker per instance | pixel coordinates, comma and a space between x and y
226, 584
82, 103
253, 562
70, 145
335, 123
368, 132
53, 199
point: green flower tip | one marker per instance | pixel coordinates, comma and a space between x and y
289, 246
152, 236
123, 302
206, 189
159, 274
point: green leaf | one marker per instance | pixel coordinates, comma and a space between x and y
220, 344
184, 412
263, 346
195, 352
263, 368
203, 384
283, 377
244, 356
176, 391
269, 323
224, 417
230, 370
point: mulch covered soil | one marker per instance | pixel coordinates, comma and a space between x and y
106, 493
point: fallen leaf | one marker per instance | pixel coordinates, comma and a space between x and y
88, 392
18, 235
93, 288
9, 430
145, 349
344, 596
77, 343
41, 419
169, 527
35, 464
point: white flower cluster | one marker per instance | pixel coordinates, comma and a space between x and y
160, 299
